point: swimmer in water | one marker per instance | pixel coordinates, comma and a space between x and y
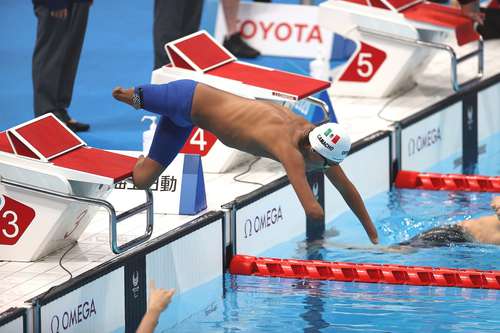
484, 230
257, 127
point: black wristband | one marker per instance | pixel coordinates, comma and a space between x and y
137, 99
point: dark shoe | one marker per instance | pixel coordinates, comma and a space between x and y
75, 126
237, 46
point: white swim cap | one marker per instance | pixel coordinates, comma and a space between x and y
331, 141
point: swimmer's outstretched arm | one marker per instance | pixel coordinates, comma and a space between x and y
294, 165
353, 199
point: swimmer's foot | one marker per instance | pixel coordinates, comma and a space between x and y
124, 95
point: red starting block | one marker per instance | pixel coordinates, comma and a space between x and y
51, 186
395, 40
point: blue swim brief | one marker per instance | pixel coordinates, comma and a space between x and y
172, 101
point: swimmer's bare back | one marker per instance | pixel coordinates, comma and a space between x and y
258, 127
484, 229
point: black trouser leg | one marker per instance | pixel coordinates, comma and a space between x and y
55, 59
173, 19
73, 46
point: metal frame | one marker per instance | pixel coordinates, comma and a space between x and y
322, 105
313, 100
443, 47
113, 218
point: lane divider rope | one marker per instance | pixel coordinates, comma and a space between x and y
371, 273
447, 182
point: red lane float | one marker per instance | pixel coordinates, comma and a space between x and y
447, 182
371, 273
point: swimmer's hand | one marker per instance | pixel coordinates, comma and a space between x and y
159, 298
315, 211
124, 95
370, 229
373, 237
158, 301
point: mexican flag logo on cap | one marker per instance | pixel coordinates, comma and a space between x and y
334, 138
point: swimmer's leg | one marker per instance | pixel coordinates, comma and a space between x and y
124, 95
154, 96
168, 140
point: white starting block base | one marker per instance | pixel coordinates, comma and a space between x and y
23, 280
360, 115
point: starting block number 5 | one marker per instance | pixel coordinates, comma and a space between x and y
365, 67
15, 218
364, 64
200, 142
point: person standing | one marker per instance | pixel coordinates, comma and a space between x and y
59, 39
173, 19
233, 41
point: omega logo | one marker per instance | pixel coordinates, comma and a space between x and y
428, 139
73, 317
262, 222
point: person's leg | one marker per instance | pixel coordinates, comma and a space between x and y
168, 141
233, 41
230, 8
47, 63
71, 47
167, 26
73, 42
173, 99
191, 16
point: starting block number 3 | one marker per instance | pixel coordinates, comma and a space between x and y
15, 218
200, 142
364, 64
12, 223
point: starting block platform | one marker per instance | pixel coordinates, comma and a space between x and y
217, 67
51, 185
395, 41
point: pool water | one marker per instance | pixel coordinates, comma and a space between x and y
259, 304
399, 215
